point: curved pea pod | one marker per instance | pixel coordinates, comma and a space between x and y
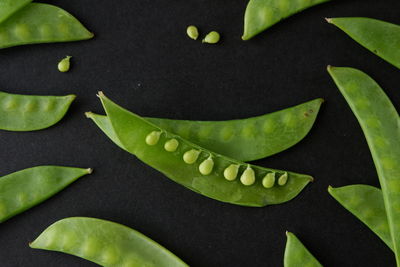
203, 171
296, 254
30, 113
245, 139
262, 14
106, 243
41, 23
24, 189
9, 7
380, 123
379, 37
366, 203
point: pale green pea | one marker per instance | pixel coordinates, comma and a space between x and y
152, 138
192, 32
283, 179
269, 180
231, 172
191, 156
171, 145
65, 64
212, 38
248, 177
206, 166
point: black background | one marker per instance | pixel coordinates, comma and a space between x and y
142, 59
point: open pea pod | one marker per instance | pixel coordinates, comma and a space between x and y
366, 203
9, 7
105, 243
201, 170
380, 123
296, 254
379, 37
24, 189
262, 14
30, 113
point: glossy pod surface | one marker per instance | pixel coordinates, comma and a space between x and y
41, 23
262, 14
9, 7
366, 203
379, 37
24, 189
296, 254
30, 113
381, 126
184, 165
106, 243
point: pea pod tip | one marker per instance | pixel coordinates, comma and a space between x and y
89, 170
329, 20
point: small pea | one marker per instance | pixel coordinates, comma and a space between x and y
206, 166
231, 172
283, 179
171, 145
248, 177
211, 38
65, 64
191, 156
152, 138
192, 32
269, 180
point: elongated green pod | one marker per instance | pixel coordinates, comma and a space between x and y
262, 14
30, 113
24, 189
9, 7
380, 123
296, 254
379, 37
106, 243
366, 203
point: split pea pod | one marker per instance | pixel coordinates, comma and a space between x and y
201, 170
9, 7
380, 123
245, 139
24, 189
105, 243
380, 37
262, 14
296, 254
30, 113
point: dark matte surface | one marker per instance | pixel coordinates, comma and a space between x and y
142, 58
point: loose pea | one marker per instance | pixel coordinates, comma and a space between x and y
192, 32
206, 166
283, 179
191, 156
211, 38
269, 180
248, 177
231, 172
152, 138
65, 64
171, 145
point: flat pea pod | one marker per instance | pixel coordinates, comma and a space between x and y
296, 254
380, 123
262, 14
30, 113
182, 165
41, 23
105, 243
380, 37
366, 203
9, 7
24, 189
245, 139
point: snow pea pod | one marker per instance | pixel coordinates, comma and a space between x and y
9, 7
262, 14
30, 113
105, 243
379, 37
41, 23
380, 123
245, 139
366, 203
201, 170
24, 189
296, 254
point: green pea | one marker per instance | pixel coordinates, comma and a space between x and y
231, 172
269, 180
206, 166
191, 156
282, 180
248, 176
212, 38
153, 138
64, 64
296, 254
171, 145
105, 243
192, 32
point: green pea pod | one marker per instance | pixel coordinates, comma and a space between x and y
30, 113
41, 23
366, 203
24, 189
246, 139
262, 14
9, 7
296, 254
381, 126
379, 37
105, 243
199, 169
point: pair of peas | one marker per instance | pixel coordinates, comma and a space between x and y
211, 38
